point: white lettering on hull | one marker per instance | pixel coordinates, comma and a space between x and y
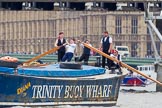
47, 91
71, 91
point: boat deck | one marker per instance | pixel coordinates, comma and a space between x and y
35, 87
53, 71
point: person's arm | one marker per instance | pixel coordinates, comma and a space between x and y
90, 49
66, 41
65, 45
56, 43
75, 50
100, 46
120, 58
110, 48
82, 45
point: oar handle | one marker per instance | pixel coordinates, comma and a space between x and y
122, 64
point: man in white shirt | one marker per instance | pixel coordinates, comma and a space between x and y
115, 55
115, 65
70, 50
106, 46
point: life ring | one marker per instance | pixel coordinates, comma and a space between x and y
70, 65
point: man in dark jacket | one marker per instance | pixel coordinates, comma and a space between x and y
86, 53
106, 46
60, 41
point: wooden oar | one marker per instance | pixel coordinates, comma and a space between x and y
41, 55
122, 64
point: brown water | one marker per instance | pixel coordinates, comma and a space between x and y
128, 100
139, 100
134, 100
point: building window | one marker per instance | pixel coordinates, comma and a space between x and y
84, 25
118, 43
118, 23
134, 23
134, 47
127, 21
103, 22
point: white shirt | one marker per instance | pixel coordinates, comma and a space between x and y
57, 41
110, 39
112, 55
70, 48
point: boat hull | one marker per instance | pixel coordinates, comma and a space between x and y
134, 81
43, 91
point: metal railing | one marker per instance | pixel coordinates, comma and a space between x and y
52, 58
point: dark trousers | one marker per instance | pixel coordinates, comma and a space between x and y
60, 55
68, 56
84, 57
115, 66
104, 59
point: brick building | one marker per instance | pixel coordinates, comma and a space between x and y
36, 31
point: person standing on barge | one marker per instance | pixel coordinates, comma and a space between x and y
60, 41
106, 46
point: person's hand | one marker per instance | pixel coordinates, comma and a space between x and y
109, 51
120, 64
79, 41
65, 44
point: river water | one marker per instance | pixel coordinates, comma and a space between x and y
134, 100
127, 99
139, 100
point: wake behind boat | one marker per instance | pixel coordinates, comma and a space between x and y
51, 85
